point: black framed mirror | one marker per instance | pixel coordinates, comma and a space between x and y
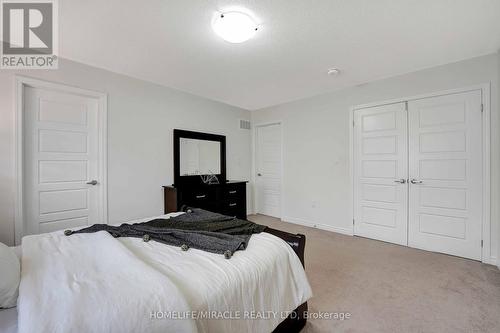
197, 154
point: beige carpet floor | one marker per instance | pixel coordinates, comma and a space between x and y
392, 288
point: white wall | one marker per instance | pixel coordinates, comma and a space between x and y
141, 117
498, 143
316, 140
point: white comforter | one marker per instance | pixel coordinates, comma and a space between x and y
96, 283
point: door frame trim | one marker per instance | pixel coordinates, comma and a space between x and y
254, 165
24, 81
486, 255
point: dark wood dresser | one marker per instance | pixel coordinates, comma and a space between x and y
228, 198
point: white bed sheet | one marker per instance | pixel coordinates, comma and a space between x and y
257, 287
266, 278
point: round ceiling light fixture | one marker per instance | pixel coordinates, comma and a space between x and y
234, 26
333, 71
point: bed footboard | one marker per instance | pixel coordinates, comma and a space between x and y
296, 241
297, 319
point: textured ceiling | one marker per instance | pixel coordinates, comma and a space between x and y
171, 42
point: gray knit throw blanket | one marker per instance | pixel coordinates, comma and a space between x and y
197, 228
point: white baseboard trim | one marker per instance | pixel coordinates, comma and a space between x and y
492, 261
350, 232
327, 227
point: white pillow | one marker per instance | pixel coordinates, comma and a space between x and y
10, 274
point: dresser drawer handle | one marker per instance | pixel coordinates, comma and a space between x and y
232, 204
200, 196
232, 192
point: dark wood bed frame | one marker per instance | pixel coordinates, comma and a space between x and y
297, 319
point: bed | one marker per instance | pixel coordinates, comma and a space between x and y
135, 285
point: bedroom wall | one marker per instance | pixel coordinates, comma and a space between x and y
316, 188
498, 143
141, 117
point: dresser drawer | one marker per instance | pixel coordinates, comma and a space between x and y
234, 192
236, 208
199, 197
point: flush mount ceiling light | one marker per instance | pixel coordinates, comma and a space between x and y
234, 26
333, 71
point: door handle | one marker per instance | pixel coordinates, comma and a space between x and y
415, 181
93, 182
259, 174
200, 196
401, 181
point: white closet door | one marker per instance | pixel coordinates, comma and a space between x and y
446, 167
380, 173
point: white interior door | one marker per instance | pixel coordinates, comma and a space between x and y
61, 158
268, 168
445, 206
380, 173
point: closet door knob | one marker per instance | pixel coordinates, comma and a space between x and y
94, 182
401, 181
416, 181
259, 174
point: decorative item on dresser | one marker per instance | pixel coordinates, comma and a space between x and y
197, 155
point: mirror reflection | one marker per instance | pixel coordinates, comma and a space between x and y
199, 157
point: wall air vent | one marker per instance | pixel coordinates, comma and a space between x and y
244, 124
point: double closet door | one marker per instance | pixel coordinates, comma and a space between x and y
418, 173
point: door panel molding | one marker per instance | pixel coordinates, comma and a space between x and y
21, 83
487, 256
